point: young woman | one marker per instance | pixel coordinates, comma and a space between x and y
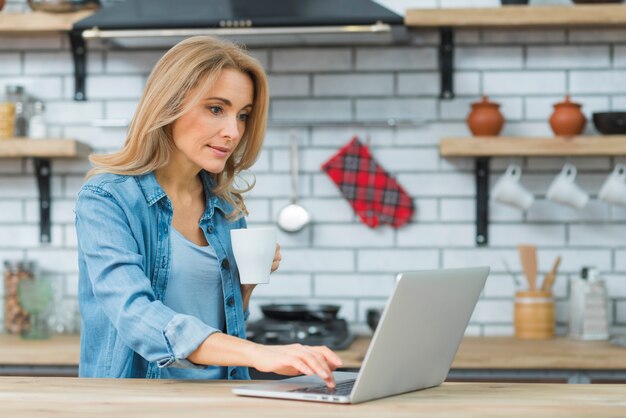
159, 289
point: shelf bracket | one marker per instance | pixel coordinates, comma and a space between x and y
446, 62
79, 53
42, 171
482, 201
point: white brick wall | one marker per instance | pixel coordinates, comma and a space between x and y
338, 259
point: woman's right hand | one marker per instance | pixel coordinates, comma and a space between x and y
295, 359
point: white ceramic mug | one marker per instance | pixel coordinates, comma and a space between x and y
254, 250
509, 190
613, 189
564, 189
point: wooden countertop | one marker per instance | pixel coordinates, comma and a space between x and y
475, 353
73, 397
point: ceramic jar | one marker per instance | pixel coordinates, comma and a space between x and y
567, 118
485, 118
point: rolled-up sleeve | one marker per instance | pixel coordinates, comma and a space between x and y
123, 291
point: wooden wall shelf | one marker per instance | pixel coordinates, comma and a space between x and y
42, 150
512, 17
533, 146
39, 22
483, 148
519, 16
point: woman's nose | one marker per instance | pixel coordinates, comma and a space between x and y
231, 128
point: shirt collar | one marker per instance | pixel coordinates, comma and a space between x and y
153, 192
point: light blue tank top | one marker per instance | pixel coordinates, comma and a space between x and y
195, 288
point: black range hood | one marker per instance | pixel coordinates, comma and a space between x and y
252, 22
202, 14
162, 23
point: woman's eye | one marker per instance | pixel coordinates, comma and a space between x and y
243, 117
216, 110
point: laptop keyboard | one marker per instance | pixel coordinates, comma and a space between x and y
342, 388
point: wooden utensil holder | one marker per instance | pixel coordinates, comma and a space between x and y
534, 315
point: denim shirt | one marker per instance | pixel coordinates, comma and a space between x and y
123, 225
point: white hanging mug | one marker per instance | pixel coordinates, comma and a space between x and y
613, 189
509, 190
564, 189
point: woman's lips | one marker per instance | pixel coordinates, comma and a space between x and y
219, 151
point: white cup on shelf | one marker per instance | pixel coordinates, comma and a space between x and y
613, 189
509, 190
565, 191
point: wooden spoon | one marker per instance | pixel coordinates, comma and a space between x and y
528, 257
548, 280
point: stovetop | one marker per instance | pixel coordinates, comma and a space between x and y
334, 333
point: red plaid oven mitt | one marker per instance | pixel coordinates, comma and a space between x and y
375, 196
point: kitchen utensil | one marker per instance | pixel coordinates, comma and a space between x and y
588, 306
534, 315
293, 217
485, 118
35, 295
372, 316
63, 6
254, 250
613, 189
610, 123
300, 312
567, 118
565, 191
549, 278
517, 281
528, 257
509, 190
510, 2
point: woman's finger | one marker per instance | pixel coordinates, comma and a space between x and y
330, 356
319, 365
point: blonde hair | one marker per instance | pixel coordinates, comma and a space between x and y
196, 61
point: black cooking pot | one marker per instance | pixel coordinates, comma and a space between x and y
610, 123
300, 312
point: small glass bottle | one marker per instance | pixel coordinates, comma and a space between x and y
7, 118
16, 95
37, 128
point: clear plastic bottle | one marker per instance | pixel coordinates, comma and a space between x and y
37, 128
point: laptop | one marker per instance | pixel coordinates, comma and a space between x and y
413, 346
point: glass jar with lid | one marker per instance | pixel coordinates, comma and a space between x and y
16, 318
17, 95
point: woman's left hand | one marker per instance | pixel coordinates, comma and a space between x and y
246, 289
277, 258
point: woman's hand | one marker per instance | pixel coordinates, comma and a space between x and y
295, 359
277, 258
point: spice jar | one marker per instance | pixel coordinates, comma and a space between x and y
7, 118
17, 95
16, 318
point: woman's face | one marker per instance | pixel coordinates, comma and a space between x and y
208, 134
